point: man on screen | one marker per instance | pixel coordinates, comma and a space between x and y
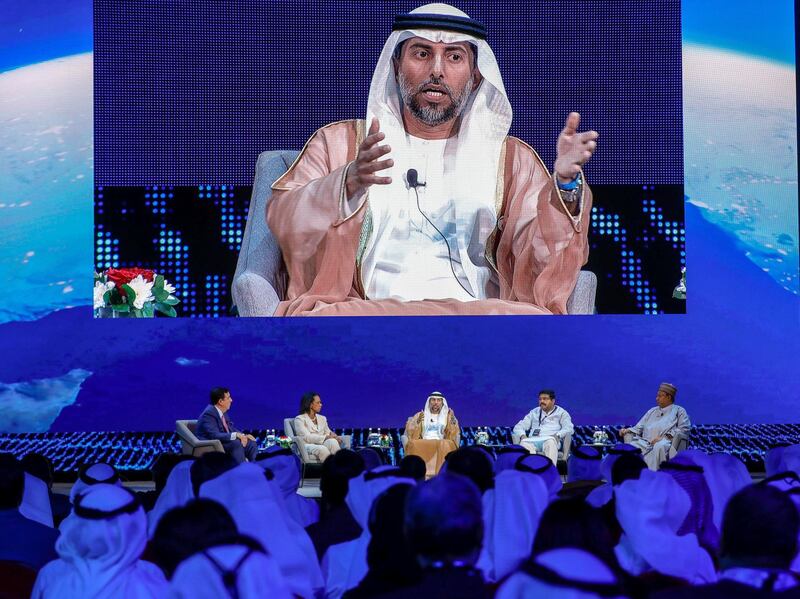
214, 423
434, 209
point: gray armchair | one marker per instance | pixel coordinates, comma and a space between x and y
259, 282
190, 444
563, 451
299, 446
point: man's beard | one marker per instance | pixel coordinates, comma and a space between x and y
433, 115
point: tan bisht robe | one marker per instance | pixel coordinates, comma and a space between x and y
536, 248
433, 451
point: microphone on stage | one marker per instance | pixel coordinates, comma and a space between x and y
413, 179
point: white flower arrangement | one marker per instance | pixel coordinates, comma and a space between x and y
132, 292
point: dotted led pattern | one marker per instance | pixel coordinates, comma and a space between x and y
192, 235
191, 92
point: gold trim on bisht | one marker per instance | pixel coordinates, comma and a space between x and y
499, 200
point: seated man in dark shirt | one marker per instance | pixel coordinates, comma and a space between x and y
213, 423
22, 540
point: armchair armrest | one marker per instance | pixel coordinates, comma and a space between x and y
302, 452
679, 442
515, 438
566, 444
215, 443
253, 295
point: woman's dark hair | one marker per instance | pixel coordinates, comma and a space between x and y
306, 401
218, 394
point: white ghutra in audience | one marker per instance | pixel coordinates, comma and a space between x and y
177, 492
99, 550
286, 467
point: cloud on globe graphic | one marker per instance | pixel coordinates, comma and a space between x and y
46, 160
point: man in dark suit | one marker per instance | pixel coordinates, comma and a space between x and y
214, 424
22, 540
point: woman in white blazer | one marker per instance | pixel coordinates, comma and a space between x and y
312, 428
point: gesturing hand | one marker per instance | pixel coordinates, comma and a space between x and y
361, 173
573, 149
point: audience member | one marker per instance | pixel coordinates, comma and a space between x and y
584, 464
209, 466
177, 492
433, 432
511, 513
566, 573
312, 427
336, 523
444, 528
161, 468
473, 463
725, 475
214, 423
650, 511
184, 531
544, 428
574, 523
759, 540
372, 458
700, 519
99, 550
257, 508
543, 467
414, 467
391, 564
612, 454
92, 474
655, 431
507, 457
345, 564
287, 469
239, 570
22, 540
41, 467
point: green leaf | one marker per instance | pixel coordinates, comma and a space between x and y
137, 313
129, 292
174, 301
166, 310
160, 294
148, 310
107, 297
158, 282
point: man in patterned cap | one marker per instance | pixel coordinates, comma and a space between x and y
654, 432
433, 433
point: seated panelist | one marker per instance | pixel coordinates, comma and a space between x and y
214, 423
433, 433
543, 429
312, 427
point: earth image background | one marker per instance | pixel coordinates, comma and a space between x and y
63, 370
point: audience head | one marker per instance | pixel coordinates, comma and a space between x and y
372, 458
759, 529
12, 482
306, 400
337, 471
474, 464
508, 456
39, 466
389, 556
238, 569
163, 465
627, 466
541, 466
574, 523
218, 394
413, 467
444, 520
93, 474
184, 531
209, 466
584, 464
